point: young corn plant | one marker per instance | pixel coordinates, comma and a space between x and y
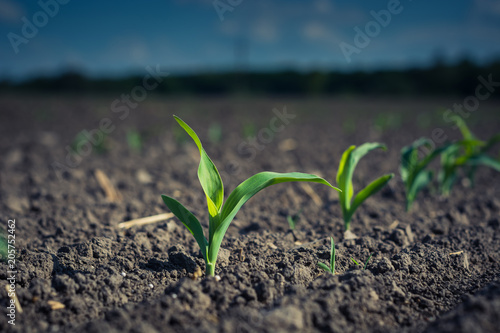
134, 140
413, 170
293, 219
221, 215
324, 267
348, 163
366, 262
466, 154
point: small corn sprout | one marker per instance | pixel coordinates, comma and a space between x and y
467, 154
134, 140
348, 163
221, 216
413, 170
293, 219
366, 263
324, 267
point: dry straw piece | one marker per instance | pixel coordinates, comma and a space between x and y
145, 220
55, 305
112, 194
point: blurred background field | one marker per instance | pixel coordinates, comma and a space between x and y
66, 66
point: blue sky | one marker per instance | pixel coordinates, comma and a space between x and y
118, 37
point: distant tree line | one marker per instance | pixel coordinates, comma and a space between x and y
439, 79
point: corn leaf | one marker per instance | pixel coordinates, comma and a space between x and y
246, 190
491, 142
421, 180
348, 163
409, 158
344, 182
207, 172
462, 126
370, 189
209, 178
189, 220
486, 161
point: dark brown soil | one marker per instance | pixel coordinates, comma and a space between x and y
435, 269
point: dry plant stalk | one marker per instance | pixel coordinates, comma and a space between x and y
55, 305
112, 194
145, 220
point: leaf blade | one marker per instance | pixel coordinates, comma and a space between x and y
208, 174
324, 267
370, 190
189, 220
332, 256
246, 190
486, 161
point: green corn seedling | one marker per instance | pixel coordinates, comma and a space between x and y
413, 170
293, 219
348, 163
324, 267
84, 138
466, 154
134, 140
221, 216
366, 262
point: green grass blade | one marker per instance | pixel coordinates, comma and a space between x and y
370, 190
332, 256
189, 220
324, 267
207, 172
246, 190
354, 261
367, 260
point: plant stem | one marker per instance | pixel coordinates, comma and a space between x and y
210, 269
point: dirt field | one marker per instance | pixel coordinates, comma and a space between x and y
435, 269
